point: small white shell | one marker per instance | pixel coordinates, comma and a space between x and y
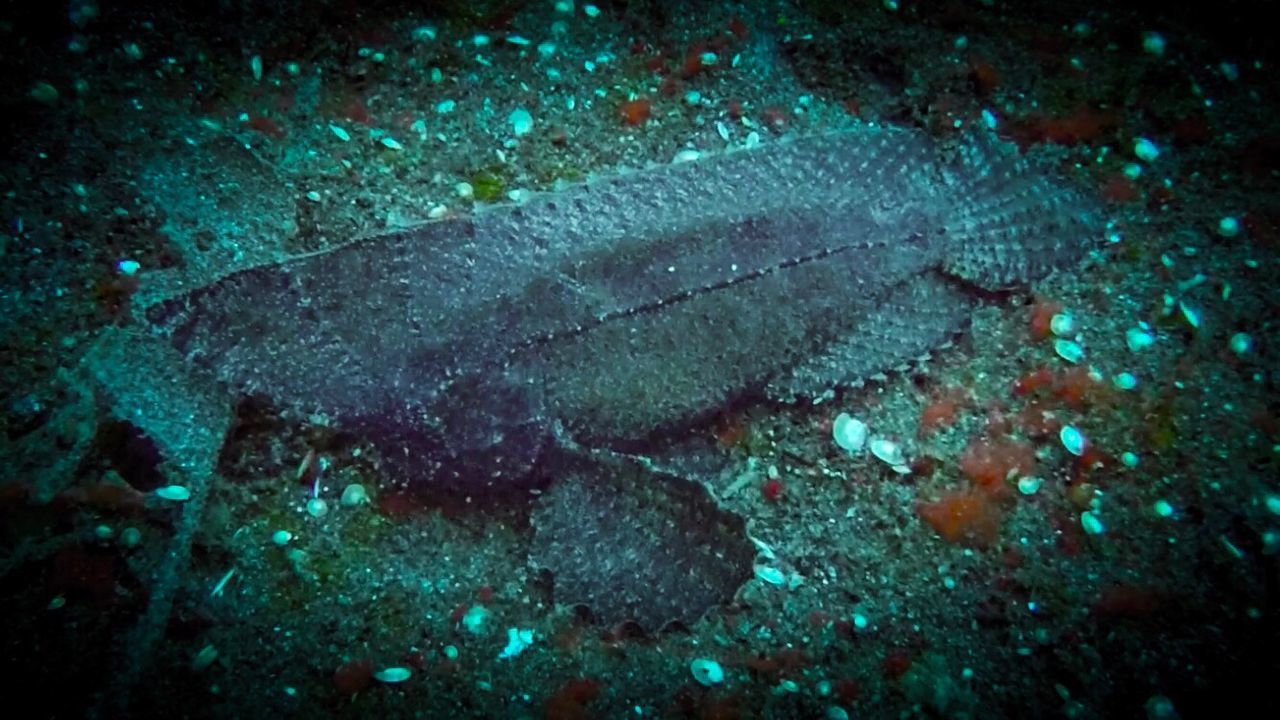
1062, 324
393, 675
771, 575
889, 452
521, 121
1139, 338
176, 493
1091, 524
1068, 350
1240, 343
317, 507
1072, 439
707, 671
849, 433
354, 495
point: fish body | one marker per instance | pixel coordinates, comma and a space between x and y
635, 303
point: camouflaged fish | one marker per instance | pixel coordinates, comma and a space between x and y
635, 304
469, 350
